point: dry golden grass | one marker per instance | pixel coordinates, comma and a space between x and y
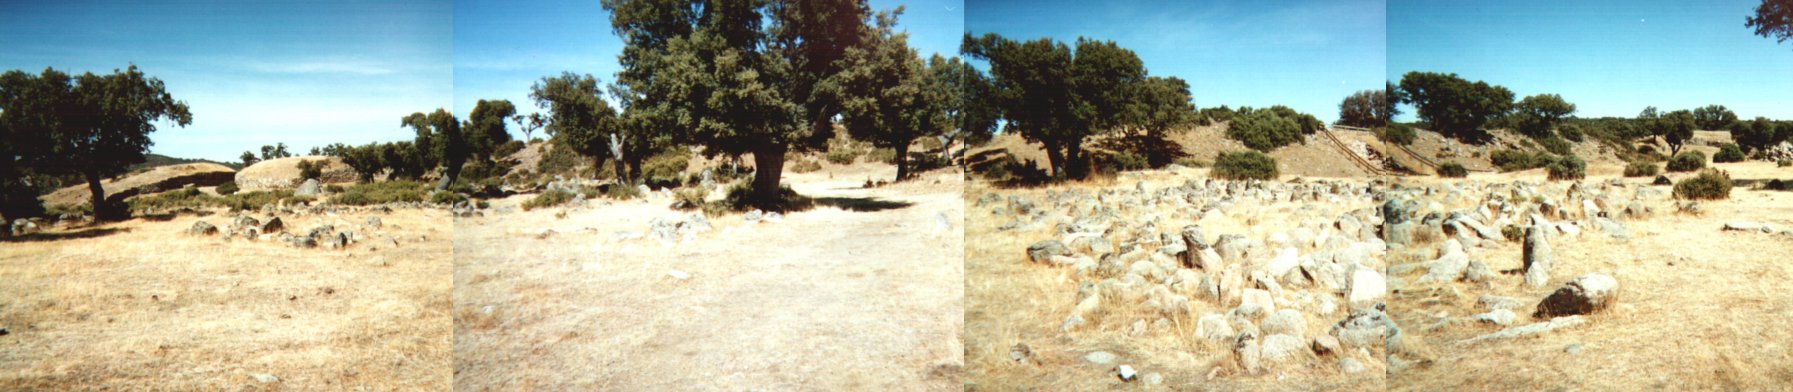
829, 299
1010, 301
140, 305
1699, 309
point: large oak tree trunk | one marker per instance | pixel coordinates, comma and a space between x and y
101, 210
902, 161
768, 166
1055, 159
1075, 165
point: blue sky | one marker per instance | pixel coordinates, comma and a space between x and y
1610, 58
254, 72
1307, 55
503, 47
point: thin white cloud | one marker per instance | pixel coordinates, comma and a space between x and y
321, 67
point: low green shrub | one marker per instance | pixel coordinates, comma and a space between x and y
227, 188
381, 193
805, 165
1243, 165
881, 155
1515, 160
1728, 153
1556, 145
1687, 161
843, 156
1452, 170
689, 198
1570, 167
1641, 169
1512, 233
1398, 134
309, 169
550, 198
1708, 185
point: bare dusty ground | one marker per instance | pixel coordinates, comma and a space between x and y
1699, 309
140, 305
1010, 301
860, 293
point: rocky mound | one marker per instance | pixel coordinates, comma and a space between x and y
283, 173
155, 180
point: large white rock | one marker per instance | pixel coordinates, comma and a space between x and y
1280, 347
1259, 298
1286, 322
1367, 286
1286, 259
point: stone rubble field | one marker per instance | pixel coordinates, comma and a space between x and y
1183, 282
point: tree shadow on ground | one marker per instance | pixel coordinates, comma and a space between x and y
71, 235
1156, 151
1005, 171
862, 204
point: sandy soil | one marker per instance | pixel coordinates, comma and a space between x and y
140, 305
860, 293
1700, 308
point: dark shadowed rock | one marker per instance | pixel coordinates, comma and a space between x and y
1042, 251
1585, 294
202, 228
273, 225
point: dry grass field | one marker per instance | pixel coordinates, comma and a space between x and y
140, 305
1699, 309
862, 292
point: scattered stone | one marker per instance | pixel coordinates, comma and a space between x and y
273, 225
1351, 366
1253, 302
1585, 294
202, 228
1573, 348
1154, 379
1042, 251
1246, 351
679, 275
1020, 352
1743, 226
1214, 327
1529, 329
1287, 322
310, 188
1099, 357
1478, 272
1325, 345
1536, 257
1280, 347
1495, 302
374, 222
1363, 328
1367, 286
264, 377
1502, 317
1126, 373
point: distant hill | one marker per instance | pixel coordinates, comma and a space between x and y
157, 160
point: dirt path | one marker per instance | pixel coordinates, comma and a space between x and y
862, 292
